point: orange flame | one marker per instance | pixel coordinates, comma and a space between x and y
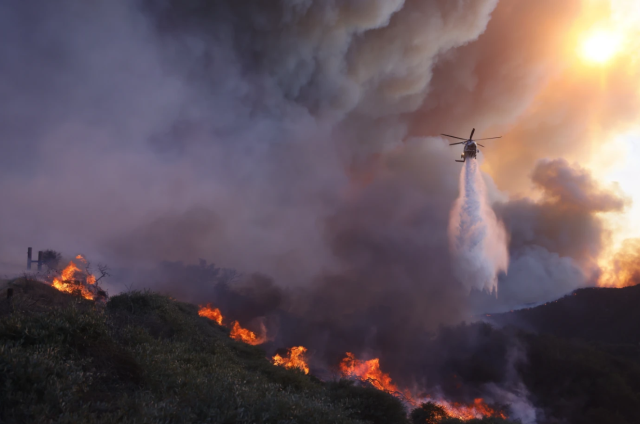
237, 332
478, 409
244, 335
211, 313
369, 371
295, 359
71, 280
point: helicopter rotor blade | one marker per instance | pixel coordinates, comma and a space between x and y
491, 138
453, 144
453, 136
472, 132
480, 145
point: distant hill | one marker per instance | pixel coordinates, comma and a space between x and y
608, 317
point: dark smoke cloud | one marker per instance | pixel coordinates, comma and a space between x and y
137, 119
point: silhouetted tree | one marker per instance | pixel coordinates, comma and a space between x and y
51, 259
428, 413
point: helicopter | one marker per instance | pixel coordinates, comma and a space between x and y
470, 146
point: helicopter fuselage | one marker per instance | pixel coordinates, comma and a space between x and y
470, 151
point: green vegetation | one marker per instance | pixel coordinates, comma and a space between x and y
143, 358
368, 403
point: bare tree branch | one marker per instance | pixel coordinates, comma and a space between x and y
104, 272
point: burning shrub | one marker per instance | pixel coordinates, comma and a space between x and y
74, 279
293, 359
213, 314
237, 331
368, 371
247, 336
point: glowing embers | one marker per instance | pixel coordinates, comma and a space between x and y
294, 359
237, 332
72, 279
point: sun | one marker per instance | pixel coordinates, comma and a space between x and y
600, 46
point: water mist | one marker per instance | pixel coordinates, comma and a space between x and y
478, 241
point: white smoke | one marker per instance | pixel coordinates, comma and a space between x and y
478, 241
513, 391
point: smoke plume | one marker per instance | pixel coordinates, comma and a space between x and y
478, 240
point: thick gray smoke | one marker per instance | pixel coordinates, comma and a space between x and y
478, 240
141, 131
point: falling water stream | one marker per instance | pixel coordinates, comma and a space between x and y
478, 241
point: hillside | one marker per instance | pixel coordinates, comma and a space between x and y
604, 317
146, 358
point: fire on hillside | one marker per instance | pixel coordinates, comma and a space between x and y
295, 358
73, 279
237, 331
369, 372
365, 371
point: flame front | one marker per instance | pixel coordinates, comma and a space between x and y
479, 409
369, 371
295, 359
71, 280
213, 314
244, 335
237, 332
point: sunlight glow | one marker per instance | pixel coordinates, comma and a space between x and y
617, 163
600, 46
